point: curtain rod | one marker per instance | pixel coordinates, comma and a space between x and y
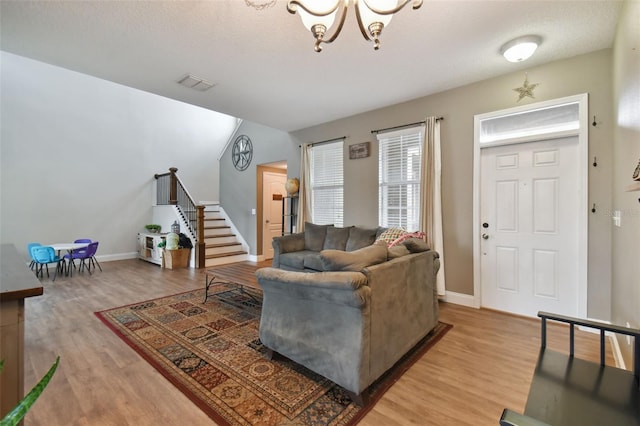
404, 125
325, 141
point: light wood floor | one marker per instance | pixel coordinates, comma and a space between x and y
484, 364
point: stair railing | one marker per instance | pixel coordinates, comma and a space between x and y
171, 191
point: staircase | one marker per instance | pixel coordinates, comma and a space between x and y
215, 242
221, 244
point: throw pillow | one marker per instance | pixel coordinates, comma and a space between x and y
399, 240
390, 235
360, 237
314, 236
338, 260
336, 238
416, 245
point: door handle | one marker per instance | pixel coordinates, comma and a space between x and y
267, 221
485, 236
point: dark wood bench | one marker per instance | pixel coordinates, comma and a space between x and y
570, 391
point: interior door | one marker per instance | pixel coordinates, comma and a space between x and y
272, 184
529, 203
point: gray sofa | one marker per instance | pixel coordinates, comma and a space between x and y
301, 252
351, 323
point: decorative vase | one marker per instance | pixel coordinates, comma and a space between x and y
292, 186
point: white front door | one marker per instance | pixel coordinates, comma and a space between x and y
529, 205
272, 184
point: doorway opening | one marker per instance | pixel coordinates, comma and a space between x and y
530, 208
271, 178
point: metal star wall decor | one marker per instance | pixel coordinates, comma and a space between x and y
526, 89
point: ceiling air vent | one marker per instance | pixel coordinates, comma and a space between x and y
195, 83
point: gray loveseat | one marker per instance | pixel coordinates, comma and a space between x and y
351, 323
301, 252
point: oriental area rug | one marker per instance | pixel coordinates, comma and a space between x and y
212, 353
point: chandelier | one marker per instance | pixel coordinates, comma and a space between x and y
372, 15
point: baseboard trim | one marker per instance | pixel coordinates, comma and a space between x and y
460, 299
117, 256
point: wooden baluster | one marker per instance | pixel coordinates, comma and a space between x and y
200, 249
173, 186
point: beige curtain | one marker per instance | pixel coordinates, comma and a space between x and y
431, 203
304, 194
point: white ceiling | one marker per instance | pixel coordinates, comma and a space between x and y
263, 62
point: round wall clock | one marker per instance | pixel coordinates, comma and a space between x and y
242, 152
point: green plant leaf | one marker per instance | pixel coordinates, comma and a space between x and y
19, 411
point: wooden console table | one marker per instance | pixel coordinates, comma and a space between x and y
17, 282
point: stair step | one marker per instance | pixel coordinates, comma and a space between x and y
217, 255
222, 248
226, 244
219, 239
225, 260
217, 231
222, 251
219, 235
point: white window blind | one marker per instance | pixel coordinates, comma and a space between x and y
399, 160
327, 184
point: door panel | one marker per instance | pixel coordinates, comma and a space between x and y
545, 206
507, 206
272, 183
529, 253
507, 268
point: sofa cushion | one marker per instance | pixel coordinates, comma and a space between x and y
416, 245
397, 251
312, 261
338, 260
360, 237
314, 236
295, 260
336, 238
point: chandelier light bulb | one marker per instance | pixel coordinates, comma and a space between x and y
322, 14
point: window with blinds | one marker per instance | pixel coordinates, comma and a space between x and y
399, 159
327, 184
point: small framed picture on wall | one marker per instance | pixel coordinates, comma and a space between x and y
359, 150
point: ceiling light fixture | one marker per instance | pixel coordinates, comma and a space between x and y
372, 15
521, 48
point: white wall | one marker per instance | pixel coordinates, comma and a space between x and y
238, 192
78, 155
